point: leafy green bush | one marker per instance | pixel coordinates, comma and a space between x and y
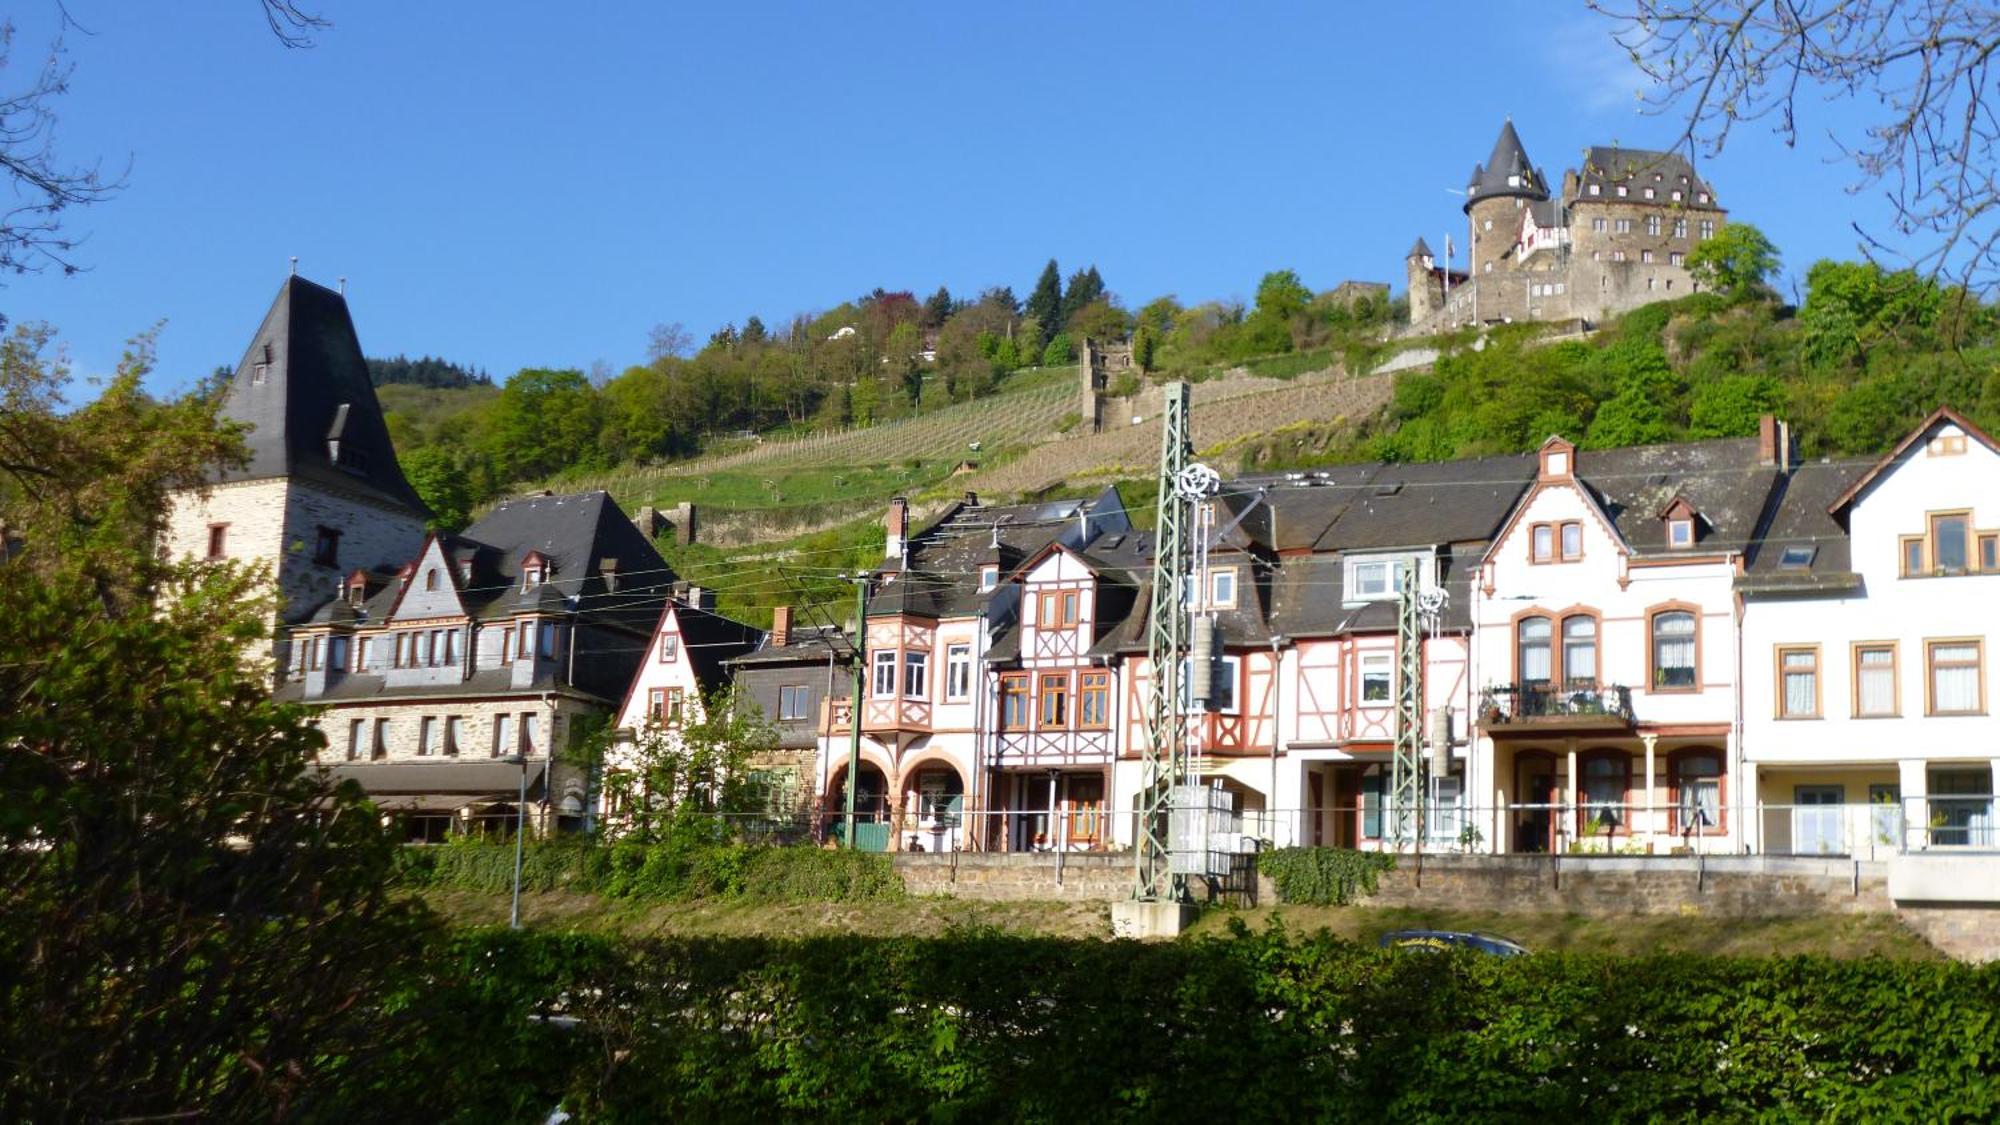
1323, 876
680, 868
982, 1026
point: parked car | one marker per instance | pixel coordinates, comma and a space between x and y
1439, 941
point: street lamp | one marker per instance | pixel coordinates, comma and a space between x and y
520, 831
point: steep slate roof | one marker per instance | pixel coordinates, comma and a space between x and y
1422, 249
710, 641
1726, 481
575, 533
1609, 165
941, 577
1800, 517
807, 644
1508, 159
302, 384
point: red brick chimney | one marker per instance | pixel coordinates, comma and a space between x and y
898, 527
1767, 440
781, 626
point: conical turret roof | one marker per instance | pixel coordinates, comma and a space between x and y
1507, 171
303, 390
1421, 250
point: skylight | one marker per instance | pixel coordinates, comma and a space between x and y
1797, 558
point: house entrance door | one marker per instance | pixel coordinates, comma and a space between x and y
1816, 817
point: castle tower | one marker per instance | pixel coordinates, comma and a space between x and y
1499, 191
322, 494
1426, 295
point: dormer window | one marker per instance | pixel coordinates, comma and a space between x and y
1557, 458
534, 570
989, 577
1679, 518
1222, 588
1680, 533
260, 372
1797, 558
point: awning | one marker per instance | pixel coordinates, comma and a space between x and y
441, 785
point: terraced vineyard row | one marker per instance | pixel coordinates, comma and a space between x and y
1221, 411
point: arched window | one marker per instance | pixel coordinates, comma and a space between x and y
1674, 660
1606, 777
1696, 777
1532, 649
431, 579
1579, 649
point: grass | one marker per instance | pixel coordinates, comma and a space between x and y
1833, 935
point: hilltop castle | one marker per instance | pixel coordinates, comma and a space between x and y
1616, 236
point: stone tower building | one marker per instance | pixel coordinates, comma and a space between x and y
322, 494
1614, 237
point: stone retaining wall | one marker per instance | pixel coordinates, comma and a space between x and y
1722, 886
1017, 877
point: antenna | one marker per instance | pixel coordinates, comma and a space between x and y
343, 287
295, 265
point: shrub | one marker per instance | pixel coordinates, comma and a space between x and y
1323, 876
683, 867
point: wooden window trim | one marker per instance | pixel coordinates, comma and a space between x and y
676, 705
1099, 684
218, 541
1653, 613
1980, 538
1854, 651
1514, 640
1930, 542
1213, 577
1562, 535
1778, 654
1536, 557
1674, 758
1931, 644
1052, 687
670, 647
1015, 685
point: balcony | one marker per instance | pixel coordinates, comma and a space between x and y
1543, 705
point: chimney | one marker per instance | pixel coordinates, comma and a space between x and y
648, 521
701, 598
971, 499
1767, 439
781, 626
898, 527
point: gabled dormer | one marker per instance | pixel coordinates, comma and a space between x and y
1680, 524
431, 585
535, 570
1558, 460
354, 588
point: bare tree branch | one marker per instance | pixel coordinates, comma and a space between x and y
1928, 65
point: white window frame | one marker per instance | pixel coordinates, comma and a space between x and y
1218, 579
670, 647
794, 702
958, 672
882, 673
1382, 664
916, 674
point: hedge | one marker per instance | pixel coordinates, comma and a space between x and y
660, 871
986, 1027
1323, 876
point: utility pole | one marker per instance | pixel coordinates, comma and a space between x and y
854, 713
1406, 764
1165, 753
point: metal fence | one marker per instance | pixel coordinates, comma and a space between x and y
1862, 830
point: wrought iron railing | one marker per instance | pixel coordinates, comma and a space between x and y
1550, 699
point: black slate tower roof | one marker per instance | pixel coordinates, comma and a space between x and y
303, 389
1508, 161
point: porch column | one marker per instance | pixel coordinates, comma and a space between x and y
1914, 776
1652, 799
1569, 815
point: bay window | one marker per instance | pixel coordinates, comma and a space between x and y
916, 675
883, 684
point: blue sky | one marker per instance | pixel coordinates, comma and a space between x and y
511, 184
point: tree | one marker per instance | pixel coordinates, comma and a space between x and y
1731, 406
193, 923
1929, 147
1737, 261
1101, 321
1059, 352
754, 331
544, 421
1045, 302
938, 309
1085, 288
669, 341
697, 768
1282, 295
444, 485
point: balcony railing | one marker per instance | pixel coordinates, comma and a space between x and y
1571, 702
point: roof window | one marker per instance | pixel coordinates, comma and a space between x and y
1797, 558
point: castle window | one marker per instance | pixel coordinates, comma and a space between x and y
1645, 255
1674, 196
1649, 193
326, 548
1676, 258
1598, 224
1594, 190
218, 541
1618, 255
1489, 224
1649, 283
1597, 255
1680, 228
1708, 228
1701, 197
1653, 225
261, 373
1624, 226
431, 579
1621, 191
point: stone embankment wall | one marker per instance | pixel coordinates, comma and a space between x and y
1722, 886
1018, 877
